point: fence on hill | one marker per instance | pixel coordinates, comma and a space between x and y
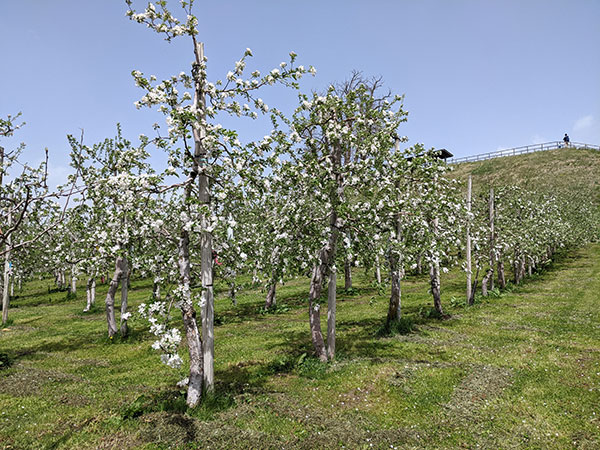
522, 150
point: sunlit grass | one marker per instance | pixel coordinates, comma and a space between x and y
519, 369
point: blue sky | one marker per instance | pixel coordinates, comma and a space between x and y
478, 75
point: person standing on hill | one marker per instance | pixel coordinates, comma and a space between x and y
566, 140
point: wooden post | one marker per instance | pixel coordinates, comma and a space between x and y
469, 293
208, 344
492, 237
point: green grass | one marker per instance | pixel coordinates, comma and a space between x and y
562, 169
520, 369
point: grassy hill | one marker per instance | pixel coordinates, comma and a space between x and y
549, 170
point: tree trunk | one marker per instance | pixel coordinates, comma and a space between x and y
110, 297
489, 275
530, 266
522, 267
271, 299
434, 274
73, 280
6, 278
124, 294
232, 291
314, 310
516, 271
501, 274
395, 306
420, 264
434, 277
156, 290
326, 260
347, 274
90, 293
471, 299
331, 300
194, 342
377, 270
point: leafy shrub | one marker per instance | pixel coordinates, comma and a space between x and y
310, 367
403, 326
275, 309
5, 361
458, 302
429, 312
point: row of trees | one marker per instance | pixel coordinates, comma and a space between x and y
327, 188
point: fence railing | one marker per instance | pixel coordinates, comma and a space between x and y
522, 150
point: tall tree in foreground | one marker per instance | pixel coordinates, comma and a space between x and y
203, 154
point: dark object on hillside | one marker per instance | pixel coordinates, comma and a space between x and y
566, 140
441, 153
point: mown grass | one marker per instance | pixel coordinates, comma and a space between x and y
562, 169
518, 370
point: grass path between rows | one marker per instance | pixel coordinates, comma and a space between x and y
518, 370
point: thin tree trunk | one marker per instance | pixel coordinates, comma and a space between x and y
434, 277
110, 297
232, 290
326, 259
377, 270
194, 342
331, 305
420, 264
489, 275
471, 300
347, 274
6, 278
73, 280
395, 306
156, 290
530, 266
397, 273
522, 267
271, 299
124, 294
501, 274
314, 313
90, 293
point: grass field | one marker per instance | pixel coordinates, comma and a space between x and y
563, 169
518, 370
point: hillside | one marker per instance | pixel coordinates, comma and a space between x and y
563, 169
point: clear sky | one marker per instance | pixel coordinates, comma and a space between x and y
478, 75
